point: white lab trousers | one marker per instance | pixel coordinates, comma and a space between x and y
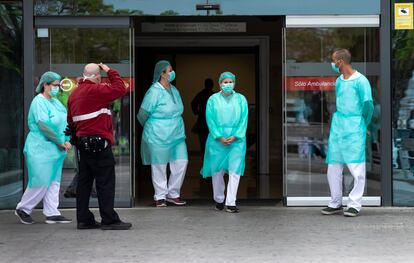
232, 187
33, 196
335, 184
170, 189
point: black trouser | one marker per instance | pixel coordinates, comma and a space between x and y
101, 167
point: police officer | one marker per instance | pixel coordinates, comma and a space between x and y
90, 117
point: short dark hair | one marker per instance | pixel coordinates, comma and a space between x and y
343, 54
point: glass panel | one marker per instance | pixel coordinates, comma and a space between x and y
11, 104
188, 7
66, 51
403, 116
309, 104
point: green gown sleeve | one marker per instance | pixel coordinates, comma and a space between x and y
148, 105
365, 94
211, 123
142, 116
240, 132
49, 133
40, 113
367, 112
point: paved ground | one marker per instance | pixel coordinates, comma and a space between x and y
200, 234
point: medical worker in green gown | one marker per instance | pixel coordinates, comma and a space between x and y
45, 150
347, 138
226, 115
163, 137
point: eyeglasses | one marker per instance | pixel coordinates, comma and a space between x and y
57, 85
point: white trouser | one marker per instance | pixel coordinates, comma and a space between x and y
170, 189
33, 196
335, 184
232, 186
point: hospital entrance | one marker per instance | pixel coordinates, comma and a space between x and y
282, 65
195, 57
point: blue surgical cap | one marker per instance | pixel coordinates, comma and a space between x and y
47, 77
227, 75
161, 66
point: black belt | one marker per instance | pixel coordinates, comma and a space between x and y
92, 144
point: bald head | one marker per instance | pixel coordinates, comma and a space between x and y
92, 72
91, 69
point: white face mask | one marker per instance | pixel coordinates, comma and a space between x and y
88, 77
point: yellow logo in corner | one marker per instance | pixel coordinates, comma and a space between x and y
403, 16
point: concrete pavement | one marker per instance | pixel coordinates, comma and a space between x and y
200, 234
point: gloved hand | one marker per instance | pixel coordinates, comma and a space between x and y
70, 131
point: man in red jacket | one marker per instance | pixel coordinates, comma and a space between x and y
90, 116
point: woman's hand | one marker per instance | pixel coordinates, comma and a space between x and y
230, 139
65, 146
223, 141
68, 145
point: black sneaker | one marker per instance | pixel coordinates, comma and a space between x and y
117, 226
232, 209
160, 203
219, 206
351, 212
331, 211
24, 217
57, 220
95, 225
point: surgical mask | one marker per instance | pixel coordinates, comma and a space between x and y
54, 91
334, 68
227, 87
171, 76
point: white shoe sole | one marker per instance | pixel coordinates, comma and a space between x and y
175, 203
350, 214
21, 221
50, 222
331, 213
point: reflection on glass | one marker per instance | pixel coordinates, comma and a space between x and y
11, 104
310, 104
66, 51
403, 117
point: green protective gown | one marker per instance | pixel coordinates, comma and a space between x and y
163, 138
47, 122
226, 117
354, 108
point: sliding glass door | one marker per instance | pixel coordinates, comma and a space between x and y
309, 102
66, 49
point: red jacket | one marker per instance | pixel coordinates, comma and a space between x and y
89, 106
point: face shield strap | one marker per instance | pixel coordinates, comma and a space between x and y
88, 77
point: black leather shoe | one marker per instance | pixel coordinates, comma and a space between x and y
89, 226
117, 226
70, 193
